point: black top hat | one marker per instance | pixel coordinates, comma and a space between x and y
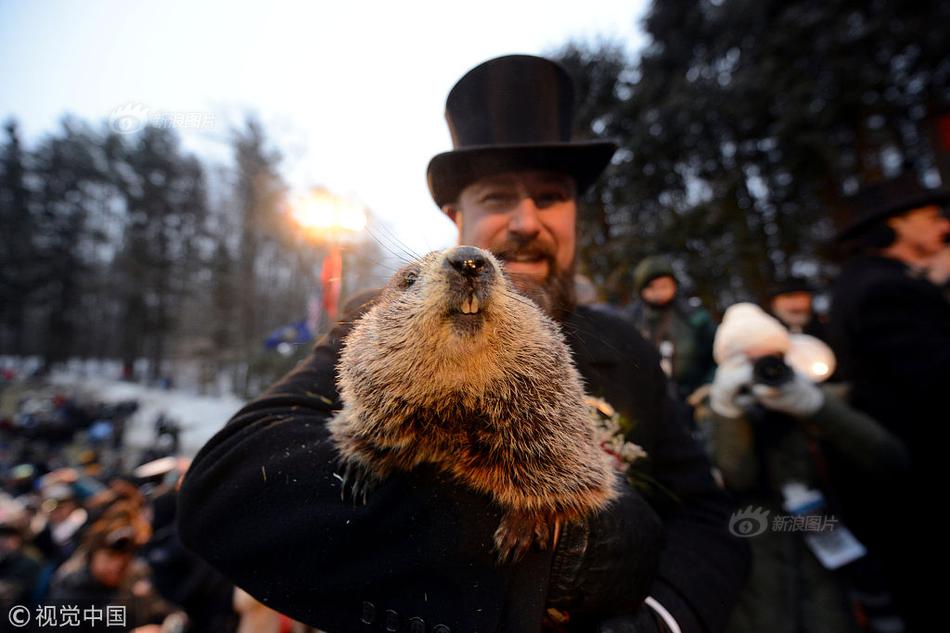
885, 199
513, 113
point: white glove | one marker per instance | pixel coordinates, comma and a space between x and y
798, 397
724, 393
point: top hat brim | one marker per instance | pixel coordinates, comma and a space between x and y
861, 225
450, 172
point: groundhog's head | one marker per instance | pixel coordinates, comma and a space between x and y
455, 291
451, 313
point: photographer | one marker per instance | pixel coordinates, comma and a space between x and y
778, 438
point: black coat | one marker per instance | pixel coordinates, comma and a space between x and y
891, 331
261, 502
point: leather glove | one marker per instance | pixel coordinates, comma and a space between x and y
726, 395
607, 563
643, 621
798, 397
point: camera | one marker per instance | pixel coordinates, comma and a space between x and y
772, 371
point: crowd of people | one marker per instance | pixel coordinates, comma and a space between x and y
87, 532
790, 455
850, 427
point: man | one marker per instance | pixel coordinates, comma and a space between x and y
105, 573
891, 327
262, 499
792, 303
682, 333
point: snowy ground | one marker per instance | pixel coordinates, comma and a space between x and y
200, 417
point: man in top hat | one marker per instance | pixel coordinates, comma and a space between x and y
891, 329
262, 504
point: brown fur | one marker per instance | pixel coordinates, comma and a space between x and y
492, 399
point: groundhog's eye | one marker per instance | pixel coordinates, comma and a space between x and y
408, 279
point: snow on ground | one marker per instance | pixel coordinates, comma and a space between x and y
200, 417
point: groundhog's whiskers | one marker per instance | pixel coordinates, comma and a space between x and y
403, 252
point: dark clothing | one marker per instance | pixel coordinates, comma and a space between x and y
19, 574
891, 331
690, 330
788, 589
261, 502
80, 588
186, 580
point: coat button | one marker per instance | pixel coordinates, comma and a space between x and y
392, 620
417, 625
368, 613
441, 628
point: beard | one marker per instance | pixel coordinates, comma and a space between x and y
556, 294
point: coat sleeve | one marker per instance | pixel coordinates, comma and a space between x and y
703, 567
861, 439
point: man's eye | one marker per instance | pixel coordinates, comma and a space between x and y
549, 198
496, 197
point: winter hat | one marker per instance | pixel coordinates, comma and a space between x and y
748, 330
649, 269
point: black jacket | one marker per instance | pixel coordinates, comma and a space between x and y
891, 332
261, 502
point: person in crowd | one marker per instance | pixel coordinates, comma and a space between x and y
20, 564
681, 332
891, 330
105, 571
769, 425
792, 303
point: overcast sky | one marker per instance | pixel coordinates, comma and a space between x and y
352, 93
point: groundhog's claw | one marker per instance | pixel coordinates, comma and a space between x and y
358, 480
517, 532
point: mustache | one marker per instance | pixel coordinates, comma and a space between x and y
511, 250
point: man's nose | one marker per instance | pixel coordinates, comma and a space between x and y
523, 220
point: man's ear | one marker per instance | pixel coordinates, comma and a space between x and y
454, 214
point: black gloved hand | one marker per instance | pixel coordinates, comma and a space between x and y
643, 621
606, 564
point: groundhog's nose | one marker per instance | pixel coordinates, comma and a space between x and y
467, 260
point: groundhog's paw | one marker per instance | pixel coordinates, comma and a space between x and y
518, 531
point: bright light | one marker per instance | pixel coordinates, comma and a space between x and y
819, 369
810, 357
323, 214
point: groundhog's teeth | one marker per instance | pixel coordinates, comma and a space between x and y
469, 305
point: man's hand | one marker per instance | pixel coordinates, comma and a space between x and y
643, 621
798, 397
607, 563
726, 395
733, 392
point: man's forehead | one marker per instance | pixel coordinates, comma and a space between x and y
514, 178
931, 211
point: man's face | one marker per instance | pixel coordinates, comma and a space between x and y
109, 566
793, 308
527, 219
660, 291
924, 230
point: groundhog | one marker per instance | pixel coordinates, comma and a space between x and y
453, 367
